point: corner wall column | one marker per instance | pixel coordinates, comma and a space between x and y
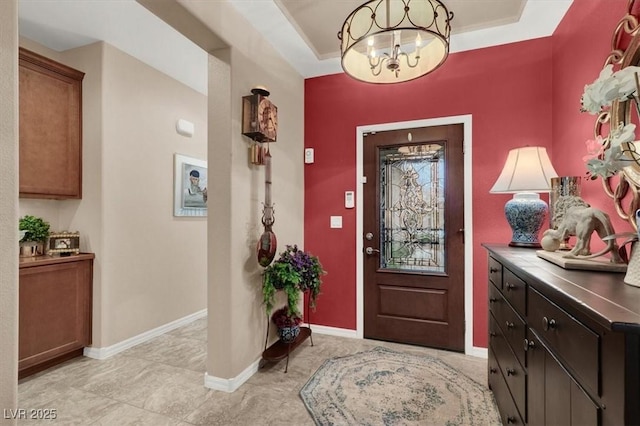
219, 220
9, 207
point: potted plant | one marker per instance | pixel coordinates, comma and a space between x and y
36, 232
293, 272
287, 323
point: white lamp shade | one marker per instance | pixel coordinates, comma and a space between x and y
527, 169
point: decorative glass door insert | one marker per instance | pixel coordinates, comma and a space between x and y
412, 199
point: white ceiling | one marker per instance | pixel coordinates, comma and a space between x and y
305, 16
303, 31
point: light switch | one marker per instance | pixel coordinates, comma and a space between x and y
336, 221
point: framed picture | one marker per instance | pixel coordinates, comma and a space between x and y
190, 186
64, 243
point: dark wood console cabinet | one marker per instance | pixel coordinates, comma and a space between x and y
50, 128
564, 345
55, 303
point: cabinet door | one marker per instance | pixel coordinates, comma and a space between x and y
557, 395
553, 396
54, 311
535, 381
50, 128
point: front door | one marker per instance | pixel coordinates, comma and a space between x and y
414, 236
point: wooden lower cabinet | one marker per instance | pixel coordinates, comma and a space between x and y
554, 398
55, 301
564, 345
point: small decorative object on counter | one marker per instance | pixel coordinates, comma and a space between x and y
562, 186
633, 269
576, 217
36, 231
64, 243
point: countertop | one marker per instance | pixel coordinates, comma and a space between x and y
27, 262
602, 296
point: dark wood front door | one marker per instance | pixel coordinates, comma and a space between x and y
414, 236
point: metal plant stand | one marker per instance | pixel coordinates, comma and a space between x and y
280, 350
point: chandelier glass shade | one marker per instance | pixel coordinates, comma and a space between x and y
391, 41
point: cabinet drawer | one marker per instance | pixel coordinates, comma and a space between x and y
571, 340
515, 291
495, 272
513, 327
510, 368
506, 406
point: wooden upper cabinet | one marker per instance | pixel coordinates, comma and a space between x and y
50, 128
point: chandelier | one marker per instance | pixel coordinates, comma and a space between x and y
391, 41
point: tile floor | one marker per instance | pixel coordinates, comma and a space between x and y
161, 382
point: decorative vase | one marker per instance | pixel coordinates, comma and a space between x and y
31, 249
633, 268
288, 334
525, 213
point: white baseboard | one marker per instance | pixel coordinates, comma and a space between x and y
231, 385
478, 352
333, 331
109, 351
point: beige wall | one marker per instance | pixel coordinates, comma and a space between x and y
9, 206
155, 264
150, 267
86, 215
237, 323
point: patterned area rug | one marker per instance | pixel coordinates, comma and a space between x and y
384, 387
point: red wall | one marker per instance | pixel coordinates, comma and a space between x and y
581, 45
519, 94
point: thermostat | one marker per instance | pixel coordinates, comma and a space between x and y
349, 199
308, 155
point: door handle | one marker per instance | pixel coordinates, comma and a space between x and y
371, 250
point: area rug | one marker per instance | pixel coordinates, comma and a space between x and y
384, 387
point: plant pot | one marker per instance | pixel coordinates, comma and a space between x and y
31, 249
288, 334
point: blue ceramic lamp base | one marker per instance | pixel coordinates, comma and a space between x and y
526, 213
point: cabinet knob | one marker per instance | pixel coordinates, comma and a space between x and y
548, 324
493, 370
510, 286
510, 324
493, 270
493, 300
492, 334
511, 372
529, 344
511, 420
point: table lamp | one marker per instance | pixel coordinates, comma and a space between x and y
526, 173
